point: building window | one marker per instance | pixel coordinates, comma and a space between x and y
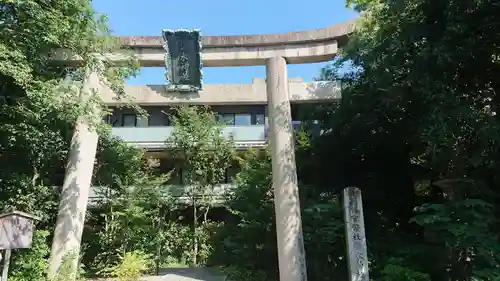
227, 119
260, 119
143, 121
129, 120
242, 119
296, 124
166, 120
239, 119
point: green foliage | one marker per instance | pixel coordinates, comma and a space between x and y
246, 244
177, 245
243, 274
66, 271
138, 212
197, 139
393, 272
132, 215
324, 237
31, 264
120, 164
233, 244
39, 100
205, 154
132, 266
468, 248
204, 234
417, 131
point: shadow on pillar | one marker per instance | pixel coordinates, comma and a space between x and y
74, 200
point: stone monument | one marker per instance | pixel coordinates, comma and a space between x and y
357, 258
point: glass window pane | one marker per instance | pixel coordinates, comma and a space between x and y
228, 119
260, 119
242, 119
142, 121
166, 120
128, 120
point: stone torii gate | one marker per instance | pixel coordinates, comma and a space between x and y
274, 51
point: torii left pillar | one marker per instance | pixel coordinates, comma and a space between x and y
76, 187
291, 254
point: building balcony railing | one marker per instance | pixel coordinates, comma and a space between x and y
155, 137
181, 193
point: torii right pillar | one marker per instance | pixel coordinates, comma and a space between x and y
291, 254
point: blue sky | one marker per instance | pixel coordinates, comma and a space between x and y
222, 17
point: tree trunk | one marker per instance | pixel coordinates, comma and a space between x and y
205, 215
195, 239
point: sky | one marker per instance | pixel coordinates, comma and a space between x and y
222, 17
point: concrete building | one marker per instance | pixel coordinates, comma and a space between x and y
242, 106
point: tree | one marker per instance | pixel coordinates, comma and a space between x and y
205, 155
37, 97
246, 243
128, 209
417, 130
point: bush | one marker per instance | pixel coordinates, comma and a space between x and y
392, 272
132, 266
31, 264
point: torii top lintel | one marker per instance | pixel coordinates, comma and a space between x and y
336, 32
239, 50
